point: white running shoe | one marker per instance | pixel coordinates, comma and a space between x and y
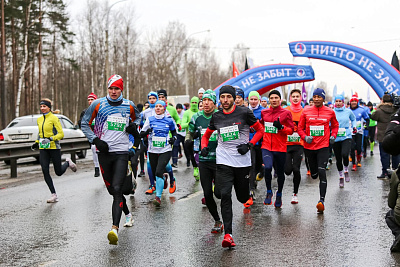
71, 164
128, 220
113, 236
53, 198
294, 199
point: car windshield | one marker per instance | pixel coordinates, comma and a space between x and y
21, 122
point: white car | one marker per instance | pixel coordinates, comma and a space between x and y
25, 129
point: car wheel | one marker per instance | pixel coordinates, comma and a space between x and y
81, 154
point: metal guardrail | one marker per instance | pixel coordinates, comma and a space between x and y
12, 152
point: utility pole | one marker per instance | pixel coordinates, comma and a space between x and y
3, 70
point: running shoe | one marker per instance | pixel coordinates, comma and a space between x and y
188, 164
308, 173
180, 156
341, 182
358, 164
165, 176
268, 198
249, 202
396, 245
278, 200
151, 190
294, 199
128, 220
113, 236
382, 176
53, 198
203, 201
364, 154
173, 165
372, 153
172, 187
196, 173
228, 241
157, 202
330, 160
96, 172
354, 168
142, 174
327, 167
346, 177
320, 207
72, 165
218, 228
260, 176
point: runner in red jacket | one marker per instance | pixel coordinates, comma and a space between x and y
318, 127
278, 125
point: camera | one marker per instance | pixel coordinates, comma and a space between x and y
395, 99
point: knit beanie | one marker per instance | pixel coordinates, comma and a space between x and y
227, 89
210, 94
115, 80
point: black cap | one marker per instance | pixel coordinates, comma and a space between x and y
162, 92
227, 89
369, 104
275, 92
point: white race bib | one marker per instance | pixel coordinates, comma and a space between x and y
115, 123
341, 132
229, 133
317, 130
270, 128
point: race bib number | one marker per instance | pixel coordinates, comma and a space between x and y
295, 137
317, 130
229, 133
43, 146
341, 132
116, 123
358, 124
270, 128
159, 141
213, 136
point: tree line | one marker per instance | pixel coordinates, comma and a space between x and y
46, 53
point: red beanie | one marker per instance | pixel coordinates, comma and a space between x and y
92, 95
354, 97
115, 80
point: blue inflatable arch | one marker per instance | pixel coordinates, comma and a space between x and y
380, 75
265, 78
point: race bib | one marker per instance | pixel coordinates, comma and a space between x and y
358, 124
341, 132
229, 133
213, 136
43, 146
270, 128
159, 141
116, 123
295, 137
317, 130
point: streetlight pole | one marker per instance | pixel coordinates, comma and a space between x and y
107, 63
186, 63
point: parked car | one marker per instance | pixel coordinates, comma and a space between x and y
25, 129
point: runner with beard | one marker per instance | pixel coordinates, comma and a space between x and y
232, 154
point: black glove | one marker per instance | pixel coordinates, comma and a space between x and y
244, 148
172, 140
196, 135
100, 145
144, 134
204, 152
332, 140
131, 129
278, 124
35, 146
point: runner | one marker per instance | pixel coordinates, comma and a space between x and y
160, 149
278, 124
192, 146
180, 139
371, 129
208, 168
294, 154
115, 118
361, 118
342, 145
256, 168
239, 101
233, 160
318, 127
50, 132
91, 97
365, 141
200, 93
264, 102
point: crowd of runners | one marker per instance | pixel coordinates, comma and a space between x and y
231, 140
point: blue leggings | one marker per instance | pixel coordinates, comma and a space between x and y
278, 159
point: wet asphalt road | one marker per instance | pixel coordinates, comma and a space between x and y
73, 232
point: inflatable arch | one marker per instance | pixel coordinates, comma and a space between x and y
380, 75
265, 78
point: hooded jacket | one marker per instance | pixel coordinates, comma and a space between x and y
187, 116
347, 121
382, 115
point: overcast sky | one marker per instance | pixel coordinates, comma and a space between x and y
266, 27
